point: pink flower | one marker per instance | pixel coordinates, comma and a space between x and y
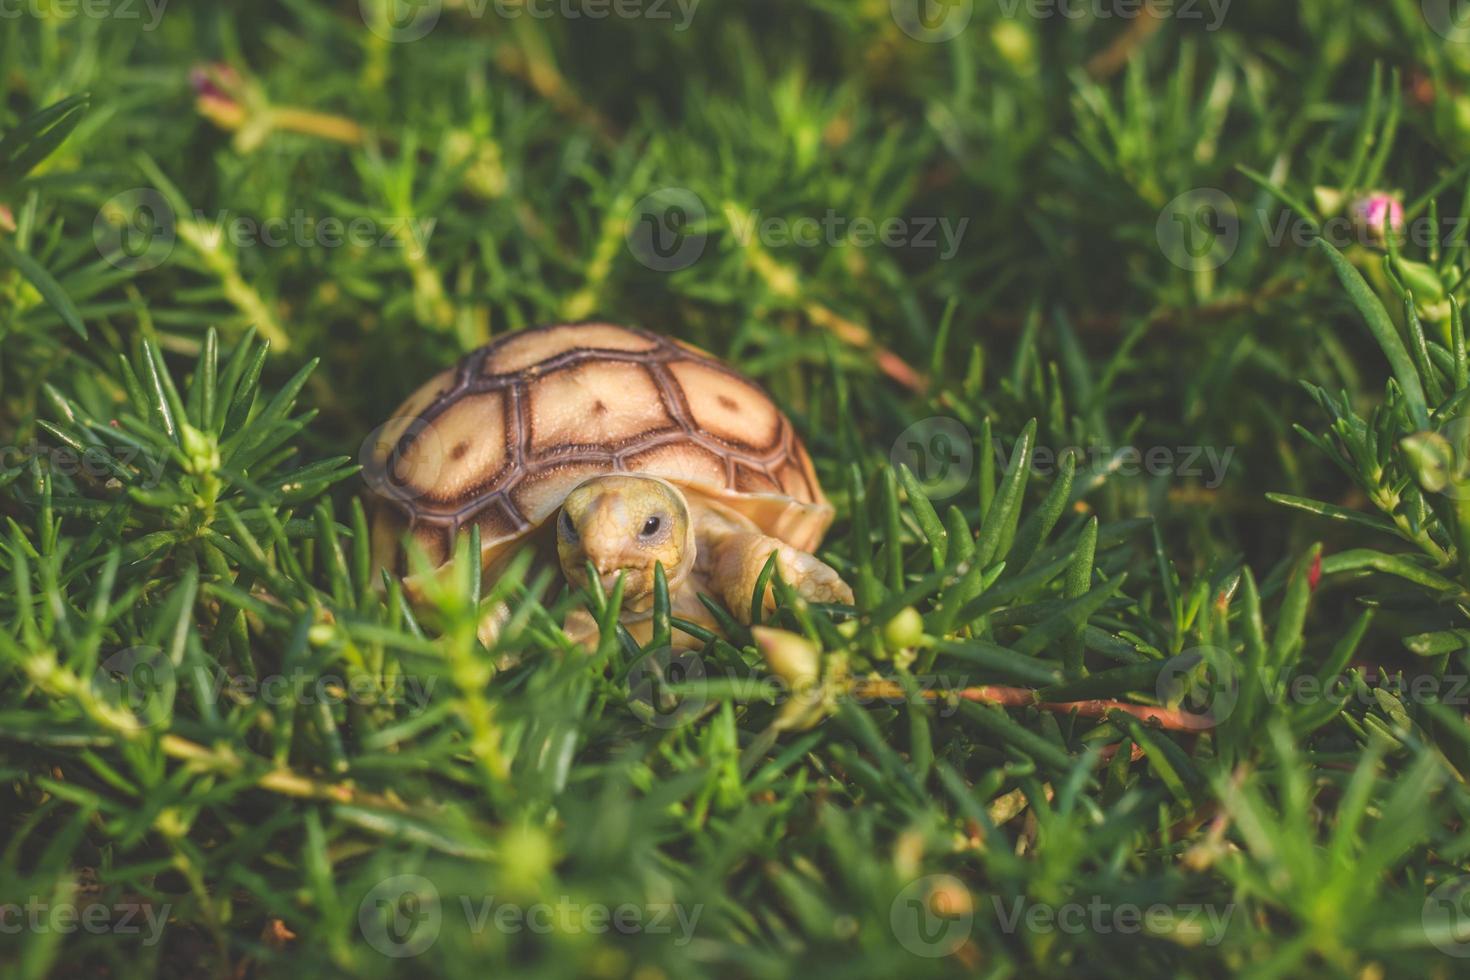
214, 81
1378, 214
217, 89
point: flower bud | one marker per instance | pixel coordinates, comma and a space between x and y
1327, 199
1015, 45
906, 629
485, 176
200, 448
1431, 458
949, 899
789, 657
1378, 214
217, 94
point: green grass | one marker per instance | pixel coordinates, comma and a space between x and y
1214, 662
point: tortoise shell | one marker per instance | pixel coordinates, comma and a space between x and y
500, 439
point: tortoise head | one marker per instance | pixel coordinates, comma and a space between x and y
626, 524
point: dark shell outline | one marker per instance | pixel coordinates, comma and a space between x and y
494, 491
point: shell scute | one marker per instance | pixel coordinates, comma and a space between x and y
463, 450
748, 479
527, 349
598, 405
680, 461
728, 407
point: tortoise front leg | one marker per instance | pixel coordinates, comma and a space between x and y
738, 558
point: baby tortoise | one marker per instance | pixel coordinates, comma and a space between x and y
640, 449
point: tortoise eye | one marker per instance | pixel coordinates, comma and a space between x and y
567, 528
651, 526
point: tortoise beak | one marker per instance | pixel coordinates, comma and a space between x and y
609, 577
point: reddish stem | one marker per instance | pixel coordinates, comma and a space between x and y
1170, 719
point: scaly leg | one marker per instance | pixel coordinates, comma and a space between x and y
738, 555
